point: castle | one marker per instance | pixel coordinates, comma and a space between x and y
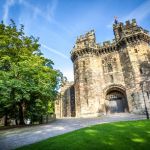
108, 78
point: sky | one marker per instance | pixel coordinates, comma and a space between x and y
58, 22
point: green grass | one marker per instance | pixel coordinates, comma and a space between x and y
131, 135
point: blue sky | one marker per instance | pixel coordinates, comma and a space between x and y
58, 22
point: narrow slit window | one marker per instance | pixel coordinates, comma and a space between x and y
110, 68
135, 50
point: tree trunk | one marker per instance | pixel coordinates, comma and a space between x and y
6, 120
21, 116
46, 118
31, 120
41, 119
16, 121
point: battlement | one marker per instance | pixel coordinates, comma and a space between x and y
129, 28
129, 32
108, 43
128, 24
87, 36
105, 44
86, 40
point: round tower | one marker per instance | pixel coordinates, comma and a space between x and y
85, 74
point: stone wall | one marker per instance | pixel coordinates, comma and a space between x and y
86, 85
100, 69
65, 103
134, 54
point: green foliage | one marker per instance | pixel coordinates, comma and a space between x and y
28, 82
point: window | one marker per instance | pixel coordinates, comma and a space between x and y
83, 63
111, 78
110, 69
141, 71
86, 43
85, 80
147, 94
92, 44
135, 50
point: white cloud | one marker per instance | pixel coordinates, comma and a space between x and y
55, 51
140, 12
6, 8
47, 14
69, 74
51, 9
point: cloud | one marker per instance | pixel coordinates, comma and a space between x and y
47, 14
55, 51
6, 8
68, 73
138, 13
52, 8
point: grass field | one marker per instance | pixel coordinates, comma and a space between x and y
131, 135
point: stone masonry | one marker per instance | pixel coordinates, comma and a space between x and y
108, 78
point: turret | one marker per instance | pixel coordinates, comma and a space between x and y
128, 29
87, 40
118, 29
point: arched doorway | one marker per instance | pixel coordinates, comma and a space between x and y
116, 101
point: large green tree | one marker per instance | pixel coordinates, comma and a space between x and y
28, 82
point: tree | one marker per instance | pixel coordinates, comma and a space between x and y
28, 82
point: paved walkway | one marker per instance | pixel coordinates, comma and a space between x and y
13, 138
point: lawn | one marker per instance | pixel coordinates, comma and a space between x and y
131, 135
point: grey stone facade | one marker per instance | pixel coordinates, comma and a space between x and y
108, 78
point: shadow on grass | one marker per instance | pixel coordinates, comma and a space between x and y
132, 135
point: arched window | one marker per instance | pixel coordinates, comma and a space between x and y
110, 68
103, 61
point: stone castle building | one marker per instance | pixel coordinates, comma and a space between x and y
108, 78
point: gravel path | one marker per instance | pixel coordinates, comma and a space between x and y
13, 138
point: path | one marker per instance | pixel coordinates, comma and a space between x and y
13, 138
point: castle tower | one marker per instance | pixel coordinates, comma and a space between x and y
134, 51
111, 71
110, 78
118, 30
85, 75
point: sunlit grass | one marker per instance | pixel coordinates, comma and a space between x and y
131, 135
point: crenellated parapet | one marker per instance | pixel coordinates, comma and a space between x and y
84, 41
128, 33
108, 76
128, 30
